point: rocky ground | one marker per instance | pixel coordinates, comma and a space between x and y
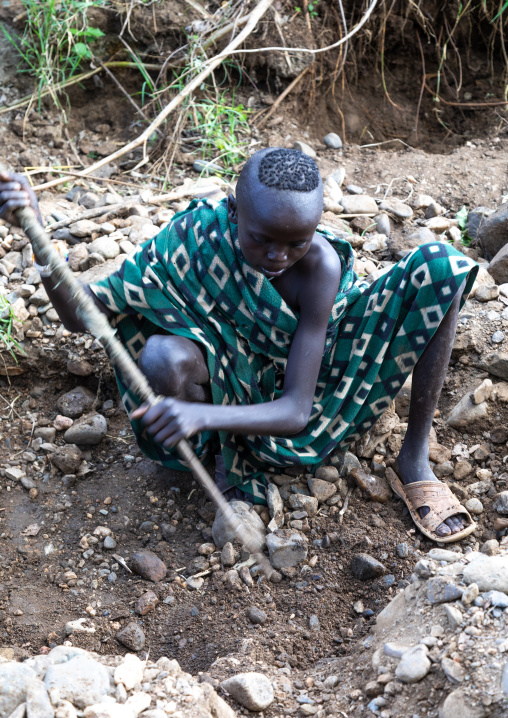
104, 553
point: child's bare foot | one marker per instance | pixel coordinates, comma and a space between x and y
410, 470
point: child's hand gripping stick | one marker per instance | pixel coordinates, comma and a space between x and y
99, 326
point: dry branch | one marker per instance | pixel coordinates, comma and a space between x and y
254, 17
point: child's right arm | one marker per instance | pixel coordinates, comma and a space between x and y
15, 192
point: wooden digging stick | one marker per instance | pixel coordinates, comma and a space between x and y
98, 325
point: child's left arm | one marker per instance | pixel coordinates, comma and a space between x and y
171, 420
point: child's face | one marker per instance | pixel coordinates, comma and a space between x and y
274, 235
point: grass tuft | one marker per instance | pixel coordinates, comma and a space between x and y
7, 320
56, 40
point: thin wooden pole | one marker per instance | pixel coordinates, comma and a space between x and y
98, 325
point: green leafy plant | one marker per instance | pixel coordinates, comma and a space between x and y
461, 218
220, 129
7, 320
312, 8
56, 39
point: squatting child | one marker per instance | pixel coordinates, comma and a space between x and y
248, 317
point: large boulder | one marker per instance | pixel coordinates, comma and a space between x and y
493, 231
498, 268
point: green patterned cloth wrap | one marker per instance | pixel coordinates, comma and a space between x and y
192, 280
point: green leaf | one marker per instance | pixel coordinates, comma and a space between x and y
94, 32
501, 11
461, 217
82, 50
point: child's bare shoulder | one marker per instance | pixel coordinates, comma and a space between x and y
321, 260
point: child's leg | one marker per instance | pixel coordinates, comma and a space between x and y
428, 377
176, 367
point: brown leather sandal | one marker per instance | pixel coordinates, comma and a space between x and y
438, 498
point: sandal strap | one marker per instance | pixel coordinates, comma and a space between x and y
438, 498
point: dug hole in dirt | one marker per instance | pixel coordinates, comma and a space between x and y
372, 618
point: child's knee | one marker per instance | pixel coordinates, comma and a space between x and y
171, 364
163, 364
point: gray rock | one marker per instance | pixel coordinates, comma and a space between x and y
359, 204
304, 503
492, 232
89, 200
40, 297
490, 573
109, 543
256, 615
305, 148
194, 584
475, 219
497, 337
14, 681
498, 267
92, 260
490, 547
286, 548
496, 364
414, 665
75, 402
252, 690
131, 636
327, 473
38, 704
487, 292
354, 189
321, 490
46, 433
396, 207
402, 550
365, 567
395, 650
275, 504
105, 246
84, 228
333, 141
442, 589
454, 671
14, 474
500, 503
88, 430
401, 246
314, 624
383, 225
496, 598
454, 616
474, 506
67, 458
222, 532
228, 555
28, 483
82, 681
457, 705
466, 412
